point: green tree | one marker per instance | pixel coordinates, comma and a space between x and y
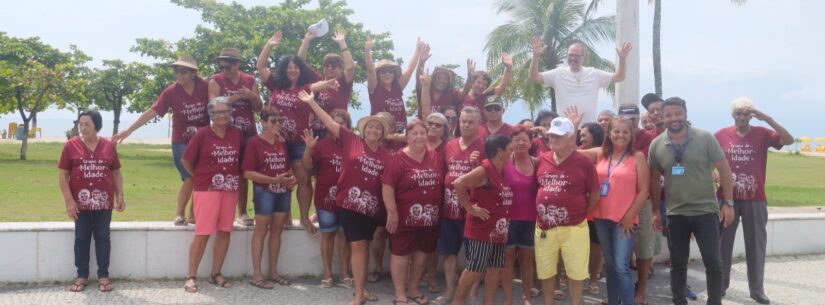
559, 23
35, 76
247, 29
114, 85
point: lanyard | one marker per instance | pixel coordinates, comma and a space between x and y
610, 163
678, 150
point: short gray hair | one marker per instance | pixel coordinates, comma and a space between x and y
742, 103
472, 110
446, 135
607, 112
218, 100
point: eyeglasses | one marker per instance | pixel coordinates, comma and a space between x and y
492, 108
220, 112
435, 125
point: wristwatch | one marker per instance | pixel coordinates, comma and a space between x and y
728, 202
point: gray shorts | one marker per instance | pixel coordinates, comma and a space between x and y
647, 241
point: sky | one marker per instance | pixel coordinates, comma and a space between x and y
712, 51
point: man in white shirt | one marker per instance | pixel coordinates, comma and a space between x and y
576, 85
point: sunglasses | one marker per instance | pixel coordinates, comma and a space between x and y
492, 108
435, 125
385, 71
182, 70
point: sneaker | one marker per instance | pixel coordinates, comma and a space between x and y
690, 294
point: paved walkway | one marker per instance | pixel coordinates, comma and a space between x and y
790, 280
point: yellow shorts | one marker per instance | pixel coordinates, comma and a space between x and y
572, 243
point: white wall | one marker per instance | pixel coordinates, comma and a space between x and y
43, 251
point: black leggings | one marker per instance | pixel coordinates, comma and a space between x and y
88, 224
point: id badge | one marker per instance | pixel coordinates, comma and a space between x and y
677, 170
605, 188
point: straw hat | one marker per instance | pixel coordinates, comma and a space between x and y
388, 64
388, 128
230, 53
186, 61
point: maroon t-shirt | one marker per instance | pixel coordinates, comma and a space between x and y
188, 111
268, 159
564, 189
326, 160
417, 188
392, 101
216, 160
457, 163
539, 147
484, 131
642, 140
477, 101
748, 157
243, 117
449, 98
497, 197
330, 99
296, 113
90, 173
359, 186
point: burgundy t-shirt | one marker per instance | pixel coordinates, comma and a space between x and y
216, 160
748, 157
188, 111
417, 188
392, 101
296, 114
243, 117
564, 189
326, 160
457, 163
449, 98
642, 140
359, 186
477, 101
497, 197
484, 131
330, 99
267, 159
539, 147
90, 173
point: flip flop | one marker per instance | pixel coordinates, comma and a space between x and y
406, 302
326, 283
374, 277
105, 287
179, 221
558, 295
368, 296
420, 300
263, 284
534, 292
280, 280
193, 288
347, 281
442, 300
593, 289
77, 286
224, 283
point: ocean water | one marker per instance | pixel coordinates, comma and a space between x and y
57, 127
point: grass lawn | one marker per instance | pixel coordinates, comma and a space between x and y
30, 190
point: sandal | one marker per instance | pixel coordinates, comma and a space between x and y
593, 288
558, 295
190, 288
397, 302
223, 283
420, 300
374, 277
368, 296
280, 280
526, 301
244, 220
326, 283
535, 292
442, 300
347, 281
104, 287
179, 221
433, 288
190, 219
79, 285
263, 284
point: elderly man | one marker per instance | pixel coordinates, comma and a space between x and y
576, 85
686, 156
746, 149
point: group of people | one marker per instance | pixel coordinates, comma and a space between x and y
556, 195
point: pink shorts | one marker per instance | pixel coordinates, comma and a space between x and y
214, 211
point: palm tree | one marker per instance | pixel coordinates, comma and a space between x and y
559, 23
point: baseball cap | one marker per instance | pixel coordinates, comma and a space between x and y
561, 126
629, 111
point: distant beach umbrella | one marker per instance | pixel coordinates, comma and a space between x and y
819, 139
805, 139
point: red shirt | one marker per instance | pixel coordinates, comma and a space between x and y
359, 186
642, 140
326, 160
332, 99
392, 101
216, 160
457, 163
417, 188
267, 159
505, 129
450, 98
477, 101
296, 113
539, 147
748, 157
563, 190
497, 197
90, 173
188, 111
243, 118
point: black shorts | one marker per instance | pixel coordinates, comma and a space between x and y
482, 255
357, 226
594, 239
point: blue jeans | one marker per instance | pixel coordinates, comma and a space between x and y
616, 249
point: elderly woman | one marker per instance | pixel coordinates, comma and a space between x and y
590, 135
338, 67
213, 157
437, 124
186, 99
541, 124
623, 176
324, 157
291, 76
265, 162
359, 187
412, 190
385, 83
488, 198
89, 165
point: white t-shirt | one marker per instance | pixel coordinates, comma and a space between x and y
577, 89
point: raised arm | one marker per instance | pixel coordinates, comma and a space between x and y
302, 50
349, 64
471, 68
507, 60
310, 140
538, 50
142, 120
372, 78
408, 72
263, 58
333, 127
620, 70
424, 99
785, 137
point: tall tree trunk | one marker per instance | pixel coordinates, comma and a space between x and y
657, 50
25, 146
116, 122
34, 124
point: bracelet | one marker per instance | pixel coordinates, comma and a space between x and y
344, 50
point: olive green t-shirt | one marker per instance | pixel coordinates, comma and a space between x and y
693, 193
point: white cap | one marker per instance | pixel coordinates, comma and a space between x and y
561, 126
319, 29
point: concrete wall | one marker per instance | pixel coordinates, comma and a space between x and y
43, 251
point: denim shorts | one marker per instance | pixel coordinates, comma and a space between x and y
177, 154
327, 221
521, 234
451, 237
267, 203
295, 150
